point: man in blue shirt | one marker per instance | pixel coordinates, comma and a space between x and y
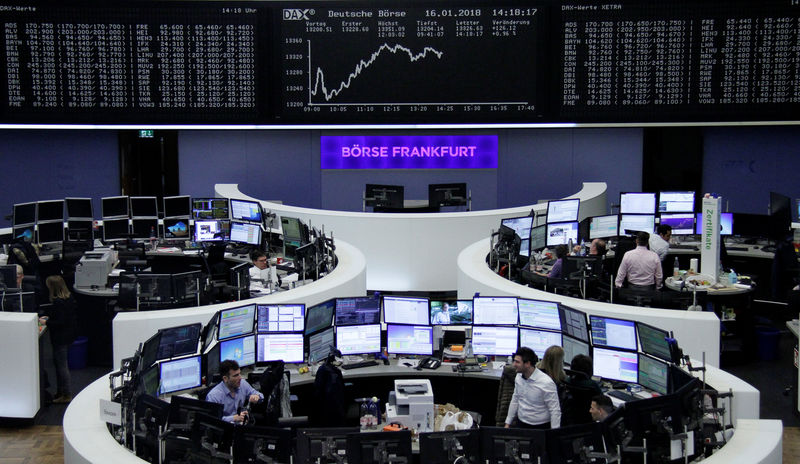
233, 392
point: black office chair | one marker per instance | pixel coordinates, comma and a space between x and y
638, 296
128, 297
132, 258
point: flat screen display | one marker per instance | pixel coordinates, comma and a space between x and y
725, 220
653, 374
144, 207
494, 341
451, 312
614, 333
114, 207
79, 208
538, 239
143, 229
286, 347
240, 349
176, 228
539, 314
320, 344
654, 341
24, 213
27, 233
637, 222
561, 233
115, 229
320, 316
681, 223
563, 210
404, 310
236, 321
358, 339
358, 310
281, 318
539, 340
615, 365
210, 231
179, 206
676, 202
242, 210
573, 323
409, 339
243, 232
210, 208
495, 310
573, 347
521, 225
51, 232
50, 211
604, 226
637, 203
180, 374
178, 341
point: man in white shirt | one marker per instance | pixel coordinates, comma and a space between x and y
261, 274
535, 401
660, 243
640, 266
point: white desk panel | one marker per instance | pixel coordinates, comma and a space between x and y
19, 356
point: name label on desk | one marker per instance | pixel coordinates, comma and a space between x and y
110, 412
408, 152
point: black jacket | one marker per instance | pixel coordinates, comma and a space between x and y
63, 321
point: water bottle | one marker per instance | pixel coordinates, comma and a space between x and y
675, 268
733, 277
364, 414
153, 239
374, 413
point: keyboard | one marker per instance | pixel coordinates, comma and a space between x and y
685, 247
356, 365
621, 395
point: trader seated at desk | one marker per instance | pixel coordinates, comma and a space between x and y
261, 274
233, 392
640, 266
555, 272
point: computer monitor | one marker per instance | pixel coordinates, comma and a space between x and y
236, 321
177, 228
563, 210
320, 345
796, 216
447, 194
494, 340
539, 314
538, 240
293, 229
262, 444
560, 233
80, 229
24, 213
52, 210
615, 364
210, 331
79, 208
725, 220
211, 368
653, 374
386, 196
604, 226
637, 203
780, 216
500, 445
144, 207
446, 447
573, 347
406, 310
681, 223
208, 436
371, 448
116, 229
286, 347
676, 202
281, 318
654, 341
155, 288
115, 207
358, 310
525, 247
178, 206
409, 339
573, 323
149, 351
25, 232
239, 349
183, 408
320, 316
613, 333
149, 381
180, 374
539, 340
322, 445
571, 444
520, 225
495, 310
211, 230
359, 339
636, 222
243, 210
451, 312
51, 232
8, 275
210, 208
178, 341
186, 285
143, 229
245, 232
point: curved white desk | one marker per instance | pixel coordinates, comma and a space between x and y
416, 251
347, 279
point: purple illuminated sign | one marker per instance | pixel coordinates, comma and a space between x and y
409, 152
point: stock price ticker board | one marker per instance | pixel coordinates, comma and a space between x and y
400, 62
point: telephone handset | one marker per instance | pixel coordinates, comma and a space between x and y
430, 363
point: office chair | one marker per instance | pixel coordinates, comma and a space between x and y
128, 297
132, 259
638, 296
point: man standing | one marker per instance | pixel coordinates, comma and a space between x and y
535, 400
601, 408
660, 243
233, 392
640, 266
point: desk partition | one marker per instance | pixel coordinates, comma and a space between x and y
19, 382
